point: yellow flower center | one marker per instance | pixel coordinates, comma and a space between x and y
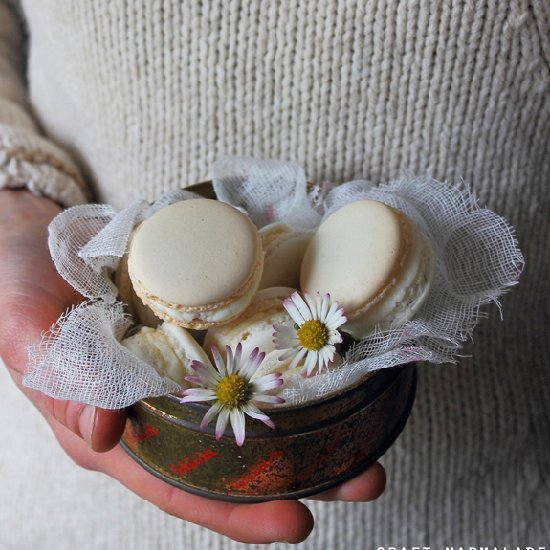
233, 391
312, 335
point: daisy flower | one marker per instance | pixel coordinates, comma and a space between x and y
234, 390
315, 334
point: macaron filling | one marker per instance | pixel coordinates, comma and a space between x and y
217, 313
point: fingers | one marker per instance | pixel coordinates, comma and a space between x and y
288, 521
107, 429
367, 486
99, 428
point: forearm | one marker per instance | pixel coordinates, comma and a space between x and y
27, 159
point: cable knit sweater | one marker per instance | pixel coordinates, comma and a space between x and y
136, 98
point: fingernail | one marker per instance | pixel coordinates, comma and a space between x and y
86, 423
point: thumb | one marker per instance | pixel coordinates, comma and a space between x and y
101, 429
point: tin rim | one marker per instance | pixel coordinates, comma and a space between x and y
378, 382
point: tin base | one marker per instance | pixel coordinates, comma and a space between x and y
313, 448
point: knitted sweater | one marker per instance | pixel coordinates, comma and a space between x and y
140, 97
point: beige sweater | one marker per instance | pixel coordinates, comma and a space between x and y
141, 97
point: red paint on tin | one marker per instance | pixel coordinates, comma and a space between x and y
134, 437
191, 462
257, 471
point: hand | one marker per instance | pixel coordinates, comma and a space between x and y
32, 297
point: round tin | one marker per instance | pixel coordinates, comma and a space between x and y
313, 447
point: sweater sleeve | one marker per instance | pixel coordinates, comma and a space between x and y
27, 159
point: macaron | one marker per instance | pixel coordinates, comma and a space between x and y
255, 327
170, 349
373, 260
196, 263
284, 249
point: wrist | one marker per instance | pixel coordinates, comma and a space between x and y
20, 206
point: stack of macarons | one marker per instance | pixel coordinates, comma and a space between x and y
202, 264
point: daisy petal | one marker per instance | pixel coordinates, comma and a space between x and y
253, 363
277, 399
318, 304
268, 382
298, 358
221, 423
324, 307
321, 356
209, 375
293, 311
303, 308
333, 309
195, 364
311, 361
230, 364
238, 424
220, 365
252, 411
336, 320
311, 304
197, 394
238, 353
210, 414
328, 356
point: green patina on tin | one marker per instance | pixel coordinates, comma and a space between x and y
312, 448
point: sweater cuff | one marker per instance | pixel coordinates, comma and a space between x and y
28, 161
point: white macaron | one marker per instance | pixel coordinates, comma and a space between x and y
196, 263
284, 249
373, 261
170, 349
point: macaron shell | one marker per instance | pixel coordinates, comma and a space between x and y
170, 349
357, 255
194, 252
185, 346
255, 327
284, 249
404, 299
152, 347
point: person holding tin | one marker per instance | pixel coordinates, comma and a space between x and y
127, 100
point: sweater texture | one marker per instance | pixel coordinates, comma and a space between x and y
130, 99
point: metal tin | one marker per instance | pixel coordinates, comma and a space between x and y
312, 448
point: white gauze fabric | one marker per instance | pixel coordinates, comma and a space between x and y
81, 357
477, 259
